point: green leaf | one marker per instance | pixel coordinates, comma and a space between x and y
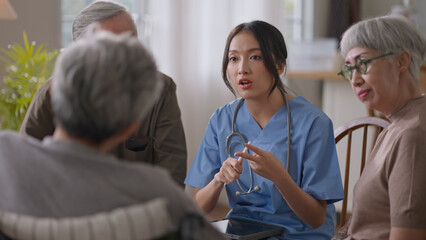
27, 66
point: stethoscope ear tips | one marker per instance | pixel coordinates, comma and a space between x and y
256, 188
237, 193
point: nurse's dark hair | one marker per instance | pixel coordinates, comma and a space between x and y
272, 47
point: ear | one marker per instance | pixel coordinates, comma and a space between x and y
404, 61
280, 68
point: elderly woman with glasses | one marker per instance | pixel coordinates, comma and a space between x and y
382, 62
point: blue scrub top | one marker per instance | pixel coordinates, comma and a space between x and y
313, 164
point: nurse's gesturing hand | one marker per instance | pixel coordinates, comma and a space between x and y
263, 162
310, 210
230, 171
207, 197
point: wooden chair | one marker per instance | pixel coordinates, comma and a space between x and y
346, 130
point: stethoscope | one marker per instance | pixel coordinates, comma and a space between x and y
234, 133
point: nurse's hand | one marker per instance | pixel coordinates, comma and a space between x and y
230, 171
311, 210
263, 162
207, 197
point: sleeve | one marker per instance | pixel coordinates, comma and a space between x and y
406, 181
169, 137
38, 121
321, 172
207, 161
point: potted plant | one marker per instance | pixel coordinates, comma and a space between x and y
26, 68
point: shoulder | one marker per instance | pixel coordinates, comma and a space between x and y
303, 111
16, 144
8, 138
302, 105
44, 90
404, 145
157, 178
411, 127
131, 174
169, 84
42, 98
152, 174
412, 136
226, 110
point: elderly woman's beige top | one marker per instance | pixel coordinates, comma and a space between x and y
392, 189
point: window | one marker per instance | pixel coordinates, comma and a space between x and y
293, 17
70, 9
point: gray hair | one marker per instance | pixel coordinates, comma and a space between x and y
96, 12
103, 83
387, 34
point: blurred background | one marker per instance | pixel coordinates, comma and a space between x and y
187, 38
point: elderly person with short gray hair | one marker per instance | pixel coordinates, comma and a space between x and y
94, 95
160, 140
103, 12
97, 83
382, 63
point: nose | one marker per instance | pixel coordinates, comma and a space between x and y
357, 79
243, 67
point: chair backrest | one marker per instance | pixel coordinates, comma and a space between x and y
346, 130
149, 220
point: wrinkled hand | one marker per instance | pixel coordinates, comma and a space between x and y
263, 162
230, 171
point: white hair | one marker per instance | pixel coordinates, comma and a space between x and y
103, 83
387, 34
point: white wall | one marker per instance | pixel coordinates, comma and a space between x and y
374, 8
315, 26
41, 19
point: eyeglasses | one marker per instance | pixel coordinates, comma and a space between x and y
360, 66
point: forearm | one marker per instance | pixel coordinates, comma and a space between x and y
306, 207
207, 197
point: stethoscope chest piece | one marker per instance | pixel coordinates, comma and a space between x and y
255, 189
228, 151
239, 135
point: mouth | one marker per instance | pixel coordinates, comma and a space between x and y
363, 94
245, 83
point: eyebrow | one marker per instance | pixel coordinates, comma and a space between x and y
357, 56
250, 50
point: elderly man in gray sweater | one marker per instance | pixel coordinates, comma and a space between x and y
104, 84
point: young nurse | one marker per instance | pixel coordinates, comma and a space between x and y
298, 194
